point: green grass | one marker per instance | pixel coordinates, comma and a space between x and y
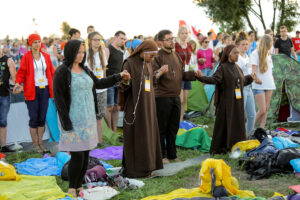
189, 177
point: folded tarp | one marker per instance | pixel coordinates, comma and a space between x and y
38, 167
108, 153
31, 188
194, 138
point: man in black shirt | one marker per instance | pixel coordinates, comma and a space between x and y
284, 44
7, 70
114, 65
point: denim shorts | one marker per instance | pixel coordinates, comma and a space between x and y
112, 96
4, 108
255, 91
186, 85
101, 104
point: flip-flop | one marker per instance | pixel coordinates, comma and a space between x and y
45, 150
37, 148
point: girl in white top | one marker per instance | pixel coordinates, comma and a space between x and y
96, 60
242, 42
52, 51
193, 61
262, 65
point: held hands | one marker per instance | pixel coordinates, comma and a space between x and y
125, 76
198, 73
202, 60
164, 69
256, 80
17, 89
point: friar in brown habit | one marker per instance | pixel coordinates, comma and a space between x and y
230, 120
142, 151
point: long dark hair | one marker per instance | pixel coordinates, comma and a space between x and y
70, 52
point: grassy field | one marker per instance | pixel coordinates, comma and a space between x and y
189, 177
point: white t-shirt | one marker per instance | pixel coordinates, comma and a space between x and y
40, 67
98, 69
244, 64
267, 77
211, 44
193, 62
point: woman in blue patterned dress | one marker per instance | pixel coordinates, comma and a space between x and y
74, 87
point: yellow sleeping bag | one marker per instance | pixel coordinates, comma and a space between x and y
223, 178
246, 145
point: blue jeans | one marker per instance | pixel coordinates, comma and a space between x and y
4, 108
207, 71
112, 96
249, 106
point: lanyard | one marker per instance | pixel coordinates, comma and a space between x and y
37, 66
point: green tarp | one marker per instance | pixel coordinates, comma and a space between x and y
109, 136
197, 100
194, 138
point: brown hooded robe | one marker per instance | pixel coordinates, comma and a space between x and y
229, 125
142, 151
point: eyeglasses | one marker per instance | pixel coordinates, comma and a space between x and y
206, 42
96, 40
169, 39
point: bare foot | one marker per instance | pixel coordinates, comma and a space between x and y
72, 192
176, 160
165, 161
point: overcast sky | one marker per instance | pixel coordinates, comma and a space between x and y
132, 16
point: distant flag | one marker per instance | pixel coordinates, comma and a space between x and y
192, 30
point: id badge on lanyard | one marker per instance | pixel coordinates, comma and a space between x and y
238, 93
186, 68
42, 82
147, 85
99, 73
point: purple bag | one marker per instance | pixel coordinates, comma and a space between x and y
96, 173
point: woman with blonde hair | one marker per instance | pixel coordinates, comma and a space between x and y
262, 65
184, 50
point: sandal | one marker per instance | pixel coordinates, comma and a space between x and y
44, 149
72, 192
37, 148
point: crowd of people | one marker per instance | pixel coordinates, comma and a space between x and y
149, 79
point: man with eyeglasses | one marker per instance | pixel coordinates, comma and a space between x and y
167, 93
